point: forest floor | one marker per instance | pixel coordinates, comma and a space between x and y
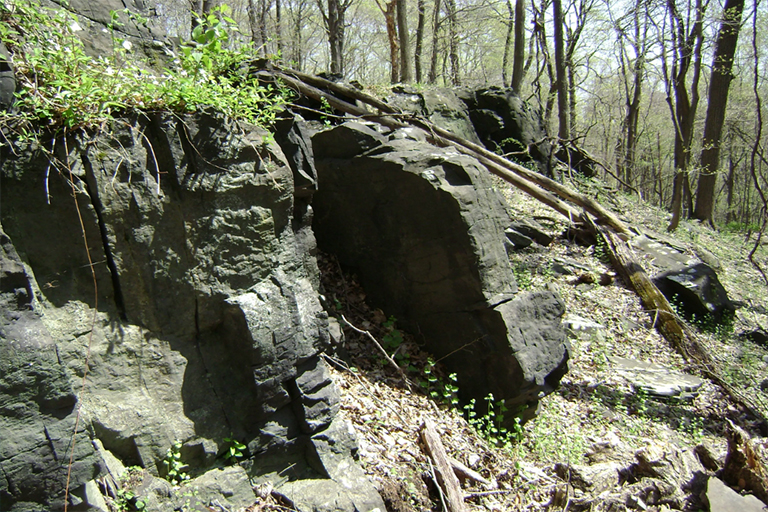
594, 411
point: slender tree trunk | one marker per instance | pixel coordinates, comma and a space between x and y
561, 80
453, 42
435, 42
507, 44
686, 51
725, 49
389, 10
405, 45
417, 53
518, 70
279, 28
335, 26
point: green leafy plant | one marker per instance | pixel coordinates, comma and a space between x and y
393, 344
490, 424
235, 451
125, 498
62, 86
175, 469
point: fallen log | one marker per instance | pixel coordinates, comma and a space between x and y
523, 178
446, 478
665, 320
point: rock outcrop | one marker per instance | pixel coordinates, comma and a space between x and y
423, 229
208, 325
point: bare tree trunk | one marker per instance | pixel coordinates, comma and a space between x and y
279, 28
560, 84
518, 71
507, 44
417, 53
720, 82
404, 37
686, 51
335, 25
453, 41
389, 10
435, 41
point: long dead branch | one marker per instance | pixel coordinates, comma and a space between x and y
516, 174
446, 478
677, 333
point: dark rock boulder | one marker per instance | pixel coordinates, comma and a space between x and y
423, 229
686, 281
7, 79
506, 123
699, 292
209, 324
166, 21
38, 405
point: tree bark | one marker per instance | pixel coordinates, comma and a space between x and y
518, 70
563, 131
686, 51
417, 52
335, 25
389, 10
453, 42
720, 82
507, 44
404, 39
435, 42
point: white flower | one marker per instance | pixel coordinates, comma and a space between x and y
127, 45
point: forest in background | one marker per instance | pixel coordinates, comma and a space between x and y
666, 94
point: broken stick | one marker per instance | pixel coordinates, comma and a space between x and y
446, 478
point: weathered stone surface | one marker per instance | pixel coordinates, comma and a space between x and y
698, 290
595, 478
166, 21
443, 107
685, 280
7, 79
37, 401
722, 498
422, 227
533, 230
656, 379
504, 122
208, 310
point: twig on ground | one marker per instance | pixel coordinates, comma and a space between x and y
381, 349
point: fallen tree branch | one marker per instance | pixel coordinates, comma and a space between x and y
381, 349
445, 477
666, 321
529, 181
465, 473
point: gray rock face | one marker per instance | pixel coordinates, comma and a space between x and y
687, 281
208, 324
7, 79
655, 378
504, 122
37, 402
494, 117
165, 20
722, 498
424, 230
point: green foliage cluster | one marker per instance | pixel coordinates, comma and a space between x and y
174, 467
437, 389
489, 425
393, 344
125, 498
62, 86
236, 450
